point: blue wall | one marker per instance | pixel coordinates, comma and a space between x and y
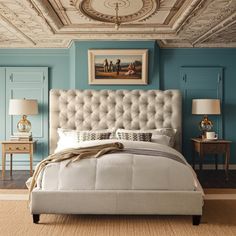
171, 61
57, 60
68, 68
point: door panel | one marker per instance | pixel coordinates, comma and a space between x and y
199, 82
29, 83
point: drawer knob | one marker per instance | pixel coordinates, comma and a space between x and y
24, 148
17, 148
9, 148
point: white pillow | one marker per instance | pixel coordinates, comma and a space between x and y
67, 139
170, 132
161, 139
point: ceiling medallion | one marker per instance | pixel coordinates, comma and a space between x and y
118, 11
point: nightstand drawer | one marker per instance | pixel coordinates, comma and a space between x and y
21, 147
212, 148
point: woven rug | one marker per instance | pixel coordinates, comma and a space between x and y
219, 218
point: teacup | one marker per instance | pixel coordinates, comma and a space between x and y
211, 135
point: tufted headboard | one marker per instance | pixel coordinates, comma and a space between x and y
103, 109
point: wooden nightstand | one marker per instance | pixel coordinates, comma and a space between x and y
203, 147
17, 147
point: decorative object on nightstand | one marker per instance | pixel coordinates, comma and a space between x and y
23, 107
216, 147
205, 107
17, 147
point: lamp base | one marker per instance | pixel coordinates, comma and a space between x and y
24, 125
205, 125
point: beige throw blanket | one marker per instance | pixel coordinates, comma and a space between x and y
73, 154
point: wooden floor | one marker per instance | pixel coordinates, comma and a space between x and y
208, 179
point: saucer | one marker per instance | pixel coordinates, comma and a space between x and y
213, 139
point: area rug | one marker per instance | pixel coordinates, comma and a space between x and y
219, 218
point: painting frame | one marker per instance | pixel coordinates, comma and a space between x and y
99, 76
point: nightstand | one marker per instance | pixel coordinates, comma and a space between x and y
216, 147
17, 147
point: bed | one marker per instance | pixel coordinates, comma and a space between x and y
135, 183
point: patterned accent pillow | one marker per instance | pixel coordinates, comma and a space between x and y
93, 135
134, 136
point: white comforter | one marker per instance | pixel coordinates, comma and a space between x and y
120, 171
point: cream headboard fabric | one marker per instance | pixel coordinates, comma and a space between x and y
103, 109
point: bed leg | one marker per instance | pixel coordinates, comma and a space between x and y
196, 219
36, 218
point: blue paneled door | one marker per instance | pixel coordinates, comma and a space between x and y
199, 82
29, 83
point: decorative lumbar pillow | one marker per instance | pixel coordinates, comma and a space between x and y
69, 138
93, 135
133, 135
165, 136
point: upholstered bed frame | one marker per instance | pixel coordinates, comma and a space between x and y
135, 109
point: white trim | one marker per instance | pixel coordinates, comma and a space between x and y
205, 167
212, 167
220, 197
14, 197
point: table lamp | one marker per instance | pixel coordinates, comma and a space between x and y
23, 107
206, 107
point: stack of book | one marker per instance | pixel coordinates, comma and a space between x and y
22, 136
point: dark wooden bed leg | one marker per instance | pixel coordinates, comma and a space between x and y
36, 218
196, 219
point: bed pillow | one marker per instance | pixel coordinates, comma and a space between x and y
165, 136
169, 132
69, 138
161, 139
132, 135
93, 135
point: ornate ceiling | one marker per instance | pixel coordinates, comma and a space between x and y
173, 23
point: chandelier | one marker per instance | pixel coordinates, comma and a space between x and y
117, 22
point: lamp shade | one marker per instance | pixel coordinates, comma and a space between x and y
23, 107
206, 106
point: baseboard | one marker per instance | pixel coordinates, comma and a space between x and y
17, 168
212, 167
205, 167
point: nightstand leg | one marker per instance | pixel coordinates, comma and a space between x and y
227, 156
11, 164
3, 162
201, 160
216, 161
193, 156
31, 162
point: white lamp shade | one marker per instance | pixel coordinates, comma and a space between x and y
23, 107
206, 106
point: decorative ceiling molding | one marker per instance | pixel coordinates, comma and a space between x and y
173, 23
129, 11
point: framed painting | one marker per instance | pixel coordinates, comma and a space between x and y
118, 66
